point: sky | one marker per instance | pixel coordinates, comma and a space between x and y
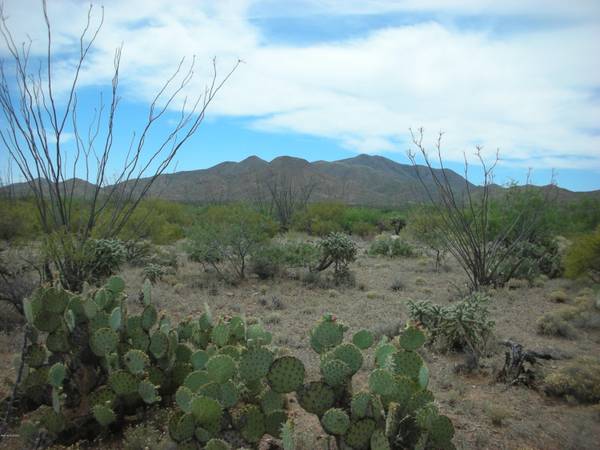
330, 79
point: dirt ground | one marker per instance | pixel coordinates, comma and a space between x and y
486, 415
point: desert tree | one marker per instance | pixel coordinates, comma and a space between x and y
464, 216
282, 196
38, 119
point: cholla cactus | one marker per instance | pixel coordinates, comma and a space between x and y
395, 412
337, 249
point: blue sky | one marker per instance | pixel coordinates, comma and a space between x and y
325, 79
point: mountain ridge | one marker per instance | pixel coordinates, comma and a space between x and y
369, 180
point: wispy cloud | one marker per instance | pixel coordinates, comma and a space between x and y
533, 94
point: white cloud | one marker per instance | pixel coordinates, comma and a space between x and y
529, 93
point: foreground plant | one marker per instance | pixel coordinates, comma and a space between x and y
395, 412
90, 364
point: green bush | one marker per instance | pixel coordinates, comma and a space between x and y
533, 258
226, 236
154, 272
464, 325
380, 246
267, 260
401, 248
19, 220
556, 323
583, 256
579, 379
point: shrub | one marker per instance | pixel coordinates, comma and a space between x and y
401, 248
583, 256
579, 379
380, 246
300, 254
266, 261
154, 272
559, 296
532, 258
464, 325
138, 252
320, 219
337, 249
556, 323
363, 229
104, 257
395, 411
398, 223
425, 227
228, 235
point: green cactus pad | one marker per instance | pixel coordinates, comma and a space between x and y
255, 333
55, 300
271, 401
148, 392
229, 394
35, 355
149, 317
423, 377
58, 341
217, 444
136, 361
159, 344
104, 341
102, 298
379, 441
203, 435
115, 284
206, 410
104, 415
179, 372
348, 353
411, 338
194, 380
404, 388
211, 389
418, 400
253, 424
56, 374
181, 426
199, 359
139, 340
406, 363
183, 398
76, 307
273, 422
134, 325
220, 334
335, 421
381, 382
100, 320
183, 353
316, 397
123, 382
221, 368
90, 309
360, 405
47, 321
393, 420
115, 319
383, 352
335, 372
363, 339
286, 374
255, 363
326, 334
103, 396
441, 431
359, 434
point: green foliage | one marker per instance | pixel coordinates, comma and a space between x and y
392, 247
104, 257
339, 250
459, 326
583, 256
397, 410
425, 226
579, 379
154, 272
226, 236
19, 220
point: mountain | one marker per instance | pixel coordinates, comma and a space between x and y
361, 180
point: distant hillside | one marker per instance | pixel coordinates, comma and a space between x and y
362, 180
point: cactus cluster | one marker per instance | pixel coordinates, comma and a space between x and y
395, 412
234, 392
89, 363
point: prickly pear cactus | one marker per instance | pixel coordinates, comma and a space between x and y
395, 412
235, 393
90, 362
